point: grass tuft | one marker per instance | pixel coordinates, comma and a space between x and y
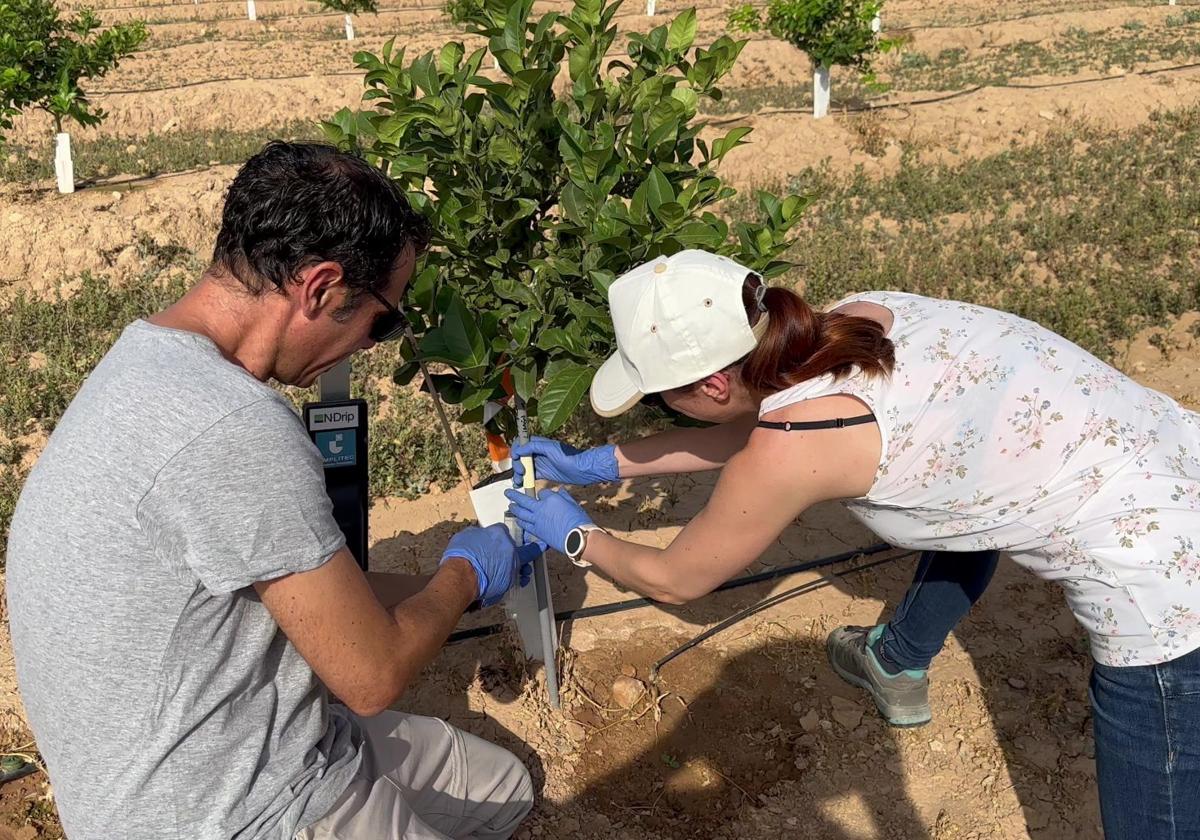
154, 154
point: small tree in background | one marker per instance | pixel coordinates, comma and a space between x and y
460, 11
43, 59
834, 33
539, 201
349, 8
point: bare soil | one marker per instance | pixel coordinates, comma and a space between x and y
752, 735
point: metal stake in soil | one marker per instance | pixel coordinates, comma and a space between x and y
541, 581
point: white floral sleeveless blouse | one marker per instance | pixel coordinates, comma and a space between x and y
999, 434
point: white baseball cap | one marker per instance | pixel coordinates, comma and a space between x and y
677, 320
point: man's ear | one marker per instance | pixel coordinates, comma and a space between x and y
320, 288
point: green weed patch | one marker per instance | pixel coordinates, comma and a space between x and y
175, 151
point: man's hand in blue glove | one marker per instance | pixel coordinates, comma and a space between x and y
497, 561
564, 464
550, 517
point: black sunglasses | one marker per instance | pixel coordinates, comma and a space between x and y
388, 326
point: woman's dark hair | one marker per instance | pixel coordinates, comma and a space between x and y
801, 343
297, 204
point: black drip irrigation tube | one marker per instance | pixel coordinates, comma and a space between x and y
774, 600
637, 603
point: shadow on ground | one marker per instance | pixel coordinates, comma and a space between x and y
754, 735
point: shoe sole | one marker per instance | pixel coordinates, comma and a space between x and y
895, 716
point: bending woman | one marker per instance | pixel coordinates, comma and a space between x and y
946, 427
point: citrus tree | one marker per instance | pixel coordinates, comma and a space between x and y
460, 11
45, 57
540, 199
349, 8
833, 33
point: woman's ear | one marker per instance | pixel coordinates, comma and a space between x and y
717, 386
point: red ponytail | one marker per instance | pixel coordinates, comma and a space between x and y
801, 343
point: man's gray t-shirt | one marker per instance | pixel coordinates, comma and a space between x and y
165, 699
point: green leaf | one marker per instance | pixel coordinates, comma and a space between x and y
723, 145
670, 213
504, 150
425, 75
658, 189
449, 386
450, 57
700, 235
576, 202
458, 340
405, 373
601, 280
686, 97
682, 33
474, 397
515, 291
559, 338
524, 376
562, 395
522, 327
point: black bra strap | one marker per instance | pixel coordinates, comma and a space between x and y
839, 423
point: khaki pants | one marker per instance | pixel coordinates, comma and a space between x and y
422, 779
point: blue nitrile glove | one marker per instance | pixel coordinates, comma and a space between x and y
496, 559
564, 464
549, 517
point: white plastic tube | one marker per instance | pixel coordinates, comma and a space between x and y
877, 23
651, 5
64, 167
820, 92
521, 604
251, 12
349, 28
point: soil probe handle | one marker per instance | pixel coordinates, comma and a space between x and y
527, 481
523, 438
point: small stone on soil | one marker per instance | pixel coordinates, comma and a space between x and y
626, 691
847, 713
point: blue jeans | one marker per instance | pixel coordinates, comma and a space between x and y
1146, 721
1146, 718
944, 588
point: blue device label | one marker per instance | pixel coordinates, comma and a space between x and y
338, 448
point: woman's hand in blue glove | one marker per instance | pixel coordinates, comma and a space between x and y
498, 562
549, 517
564, 464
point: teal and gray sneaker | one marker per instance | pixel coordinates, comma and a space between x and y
902, 699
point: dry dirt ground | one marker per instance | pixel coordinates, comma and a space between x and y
266, 81
749, 734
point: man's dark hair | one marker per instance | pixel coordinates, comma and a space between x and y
296, 204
